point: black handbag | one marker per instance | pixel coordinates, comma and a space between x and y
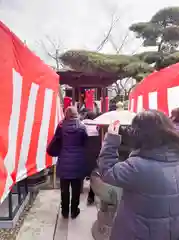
55, 145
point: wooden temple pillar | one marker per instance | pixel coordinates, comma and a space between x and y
104, 94
73, 96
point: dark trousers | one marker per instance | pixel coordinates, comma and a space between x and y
91, 194
65, 194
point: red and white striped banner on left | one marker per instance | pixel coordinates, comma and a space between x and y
30, 110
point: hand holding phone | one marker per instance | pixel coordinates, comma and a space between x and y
114, 127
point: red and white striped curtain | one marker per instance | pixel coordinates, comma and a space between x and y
30, 111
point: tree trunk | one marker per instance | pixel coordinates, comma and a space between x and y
160, 46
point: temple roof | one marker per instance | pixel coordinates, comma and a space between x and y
81, 79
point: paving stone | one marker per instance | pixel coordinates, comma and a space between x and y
44, 221
41, 220
80, 228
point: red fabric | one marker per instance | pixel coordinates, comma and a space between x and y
89, 99
107, 103
16, 58
158, 82
101, 104
67, 102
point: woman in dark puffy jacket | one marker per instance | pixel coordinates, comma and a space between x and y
71, 165
149, 209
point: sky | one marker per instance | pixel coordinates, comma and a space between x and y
76, 24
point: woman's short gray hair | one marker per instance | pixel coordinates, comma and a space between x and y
71, 112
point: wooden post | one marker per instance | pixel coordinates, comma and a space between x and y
103, 97
54, 176
102, 135
73, 96
79, 95
79, 98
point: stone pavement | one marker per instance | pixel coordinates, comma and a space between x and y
44, 220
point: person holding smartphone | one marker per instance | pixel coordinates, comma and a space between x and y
149, 208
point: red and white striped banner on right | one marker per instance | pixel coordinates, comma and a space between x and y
160, 90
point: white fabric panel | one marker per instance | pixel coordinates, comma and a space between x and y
43, 135
140, 103
56, 122
173, 98
60, 110
153, 102
22, 171
9, 160
132, 105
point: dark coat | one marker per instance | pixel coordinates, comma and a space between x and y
93, 147
112, 107
71, 162
149, 209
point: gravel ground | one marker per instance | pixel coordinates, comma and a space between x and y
11, 234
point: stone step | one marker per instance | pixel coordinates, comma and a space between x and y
80, 228
44, 221
41, 220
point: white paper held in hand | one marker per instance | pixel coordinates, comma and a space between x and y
114, 127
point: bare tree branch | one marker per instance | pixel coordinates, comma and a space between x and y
51, 42
123, 42
130, 89
119, 48
55, 53
127, 81
135, 51
117, 87
106, 38
57, 45
121, 85
46, 50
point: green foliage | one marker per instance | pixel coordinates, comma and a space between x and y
171, 34
86, 61
149, 57
136, 68
168, 60
167, 16
160, 60
140, 76
146, 30
92, 62
162, 30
